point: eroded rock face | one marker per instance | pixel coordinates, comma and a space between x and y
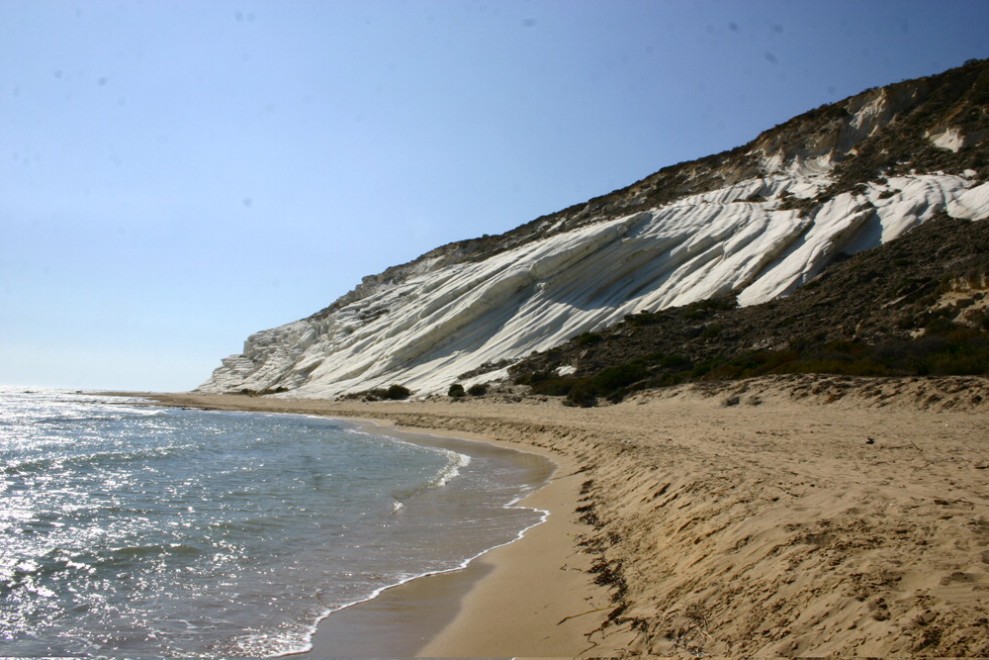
758, 222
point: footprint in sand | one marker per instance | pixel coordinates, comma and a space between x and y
957, 576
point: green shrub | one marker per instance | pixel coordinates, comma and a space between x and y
456, 391
581, 395
588, 339
642, 318
614, 378
560, 386
674, 362
669, 379
477, 390
397, 392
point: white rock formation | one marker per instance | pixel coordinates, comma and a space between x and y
425, 330
727, 224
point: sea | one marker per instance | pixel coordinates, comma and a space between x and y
132, 529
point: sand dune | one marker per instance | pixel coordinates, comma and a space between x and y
784, 516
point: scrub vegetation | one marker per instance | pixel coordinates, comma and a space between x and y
914, 307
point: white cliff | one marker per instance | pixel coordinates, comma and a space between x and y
763, 233
425, 331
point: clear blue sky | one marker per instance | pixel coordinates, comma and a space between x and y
175, 175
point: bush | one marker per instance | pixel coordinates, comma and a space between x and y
614, 378
581, 395
555, 386
674, 362
642, 318
397, 392
477, 390
588, 339
456, 391
669, 380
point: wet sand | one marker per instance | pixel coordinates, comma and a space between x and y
778, 516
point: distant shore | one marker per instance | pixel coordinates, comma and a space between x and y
781, 516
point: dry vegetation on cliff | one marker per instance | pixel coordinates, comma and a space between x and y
914, 307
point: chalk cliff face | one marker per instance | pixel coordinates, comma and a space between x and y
758, 221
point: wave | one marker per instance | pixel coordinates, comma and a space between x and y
449, 472
400, 580
452, 469
128, 553
107, 458
91, 415
455, 461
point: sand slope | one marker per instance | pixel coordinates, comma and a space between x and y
792, 515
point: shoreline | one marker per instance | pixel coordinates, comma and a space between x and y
787, 515
401, 619
498, 603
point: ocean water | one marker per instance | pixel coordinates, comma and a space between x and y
127, 529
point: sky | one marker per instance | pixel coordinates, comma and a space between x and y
176, 175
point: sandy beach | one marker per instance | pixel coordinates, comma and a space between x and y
778, 516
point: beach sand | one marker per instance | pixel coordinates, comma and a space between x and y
778, 516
